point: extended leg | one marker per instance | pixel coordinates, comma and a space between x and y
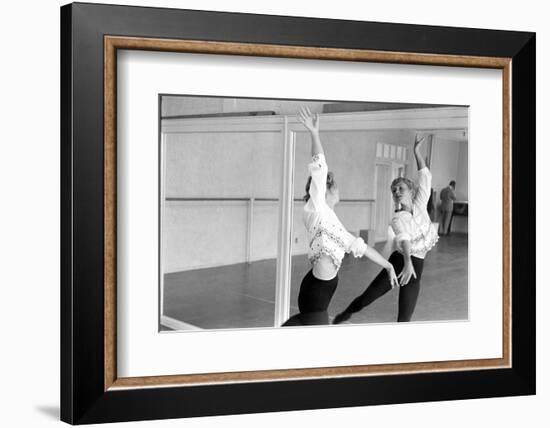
408, 294
313, 301
377, 288
308, 318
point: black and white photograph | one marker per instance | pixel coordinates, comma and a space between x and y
281, 213
275, 214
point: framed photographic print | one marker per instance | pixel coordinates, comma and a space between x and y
265, 213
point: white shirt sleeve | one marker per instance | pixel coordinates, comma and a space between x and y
358, 247
424, 186
353, 244
318, 170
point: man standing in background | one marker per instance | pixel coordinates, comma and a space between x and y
447, 197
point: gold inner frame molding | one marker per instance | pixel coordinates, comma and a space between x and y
113, 43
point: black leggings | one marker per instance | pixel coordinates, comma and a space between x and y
313, 300
408, 294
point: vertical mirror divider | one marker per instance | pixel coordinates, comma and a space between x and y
284, 262
162, 204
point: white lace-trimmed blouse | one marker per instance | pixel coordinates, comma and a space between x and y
416, 227
326, 234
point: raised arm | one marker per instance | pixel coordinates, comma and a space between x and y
318, 169
312, 124
420, 161
424, 174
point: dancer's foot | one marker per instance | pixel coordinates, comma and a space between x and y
340, 318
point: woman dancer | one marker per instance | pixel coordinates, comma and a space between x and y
415, 236
328, 238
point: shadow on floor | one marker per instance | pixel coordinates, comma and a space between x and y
51, 411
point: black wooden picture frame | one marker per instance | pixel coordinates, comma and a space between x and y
84, 395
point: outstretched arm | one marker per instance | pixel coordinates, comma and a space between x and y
358, 248
312, 124
420, 161
373, 255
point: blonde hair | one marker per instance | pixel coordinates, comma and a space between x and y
410, 184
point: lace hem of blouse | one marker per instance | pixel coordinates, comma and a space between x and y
314, 258
325, 242
324, 232
424, 242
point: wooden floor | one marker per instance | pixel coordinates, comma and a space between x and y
243, 295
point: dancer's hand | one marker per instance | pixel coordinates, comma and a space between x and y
307, 119
420, 161
406, 274
418, 140
391, 275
